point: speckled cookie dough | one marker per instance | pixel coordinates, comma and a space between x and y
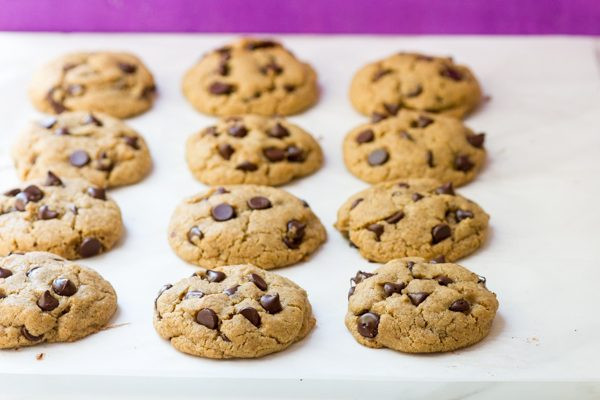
251, 76
45, 298
236, 224
236, 311
415, 217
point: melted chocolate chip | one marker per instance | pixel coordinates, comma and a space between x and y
45, 212
251, 315
463, 163
194, 294
410, 265
258, 281
380, 74
231, 290
91, 119
223, 212
395, 217
271, 303
463, 214
421, 122
446, 188
416, 197
476, 140
5, 273
443, 280
461, 305
237, 131
247, 166
12, 192
378, 157
368, 324
259, 203
215, 276
64, 287
220, 88
89, 247
29, 336
207, 318
79, 158
377, 229
439, 233
278, 131
365, 136
403, 185
355, 203
47, 302
52, 180
274, 154
97, 193
132, 141
225, 150
390, 288
104, 163
194, 234
417, 298
30, 194
127, 67
392, 109
294, 234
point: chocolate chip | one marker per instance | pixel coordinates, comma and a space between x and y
395, 217
89, 247
430, 159
29, 336
238, 131
251, 315
392, 109
351, 291
48, 122
194, 294
274, 154
278, 131
416, 197
220, 88
476, 140
417, 298
79, 158
5, 273
45, 212
132, 141
52, 180
29, 272
403, 185
161, 291
258, 281
215, 276
377, 229
463, 163
21, 201
57, 106
208, 318
63, 131
223, 212
271, 67
223, 68
390, 288
104, 163
355, 203
231, 290
446, 188
127, 68
378, 157
481, 279
361, 276
295, 154
221, 190
438, 260
421, 122
12, 192
305, 204
452, 73
47, 302
289, 88
33, 193
368, 324
365, 136
64, 287
439, 233
443, 280
259, 203
194, 233
415, 92
75, 90
294, 234
211, 130
461, 305
380, 73
225, 150
463, 214
262, 44
271, 303
377, 117
91, 119
406, 135
247, 166
97, 193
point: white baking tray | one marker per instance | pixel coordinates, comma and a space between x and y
541, 187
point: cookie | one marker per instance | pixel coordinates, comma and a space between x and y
238, 311
45, 298
114, 83
414, 306
251, 76
417, 82
414, 145
238, 224
95, 147
252, 149
68, 217
415, 217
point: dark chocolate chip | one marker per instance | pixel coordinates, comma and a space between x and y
463, 163
12, 192
220, 88
429, 157
223, 68
29, 336
461, 305
446, 188
463, 214
52, 180
410, 265
415, 92
247, 166
29, 272
278, 131
351, 291
416, 197
223, 212
368, 324
258, 281
403, 185
104, 163
259, 203
271, 303
221, 190
406, 135
421, 122
47, 302
33, 193
63, 131
395, 217
208, 318
443, 280
417, 298
452, 73
79, 158
89, 247
64, 287
380, 74
390, 288
392, 109
271, 67
361, 276
91, 119
365, 136
251, 315
377, 229
194, 234
355, 203
237, 131
225, 150
45, 212
289, 88
215, 276
48, 122
161, 291
378, 157
305, 204
127, 68
57, 106
132, 141
476, 140
295, 154
376, 117
231, 290
21, 201
194, 294
294, 234
5, 273
439, 233
97, 193
274, 154
438, 260
211, 130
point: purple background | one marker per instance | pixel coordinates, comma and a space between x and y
305, 16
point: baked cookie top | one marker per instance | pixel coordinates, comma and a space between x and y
417, 82
45, 298
68, 217
414, 145
93, 146
414, 217
236, 311
251, 76
235, 224
114, 83
252, 149
414, 306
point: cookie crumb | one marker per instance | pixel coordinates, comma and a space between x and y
40, 356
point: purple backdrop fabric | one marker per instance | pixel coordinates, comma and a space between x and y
305, 16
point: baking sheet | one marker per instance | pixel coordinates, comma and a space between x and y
540, 186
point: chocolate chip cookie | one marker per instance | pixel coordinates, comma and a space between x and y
252, 149
414, 306
251, 76
236, 311
417, 82
45, 298
415, 217
114, 83
237, 224
79, 144
414, 145
68, 217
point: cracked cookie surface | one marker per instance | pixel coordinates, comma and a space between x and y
252, 149
414, 306
417, 82
238, 311
93, 146
414, 145
114, 83
235, 224
251, 76
414, 217
68, 217
45, 298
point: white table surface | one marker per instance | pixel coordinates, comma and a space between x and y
541, 187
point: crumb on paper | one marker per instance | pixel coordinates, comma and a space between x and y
40, 356
533, 340
107, 327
